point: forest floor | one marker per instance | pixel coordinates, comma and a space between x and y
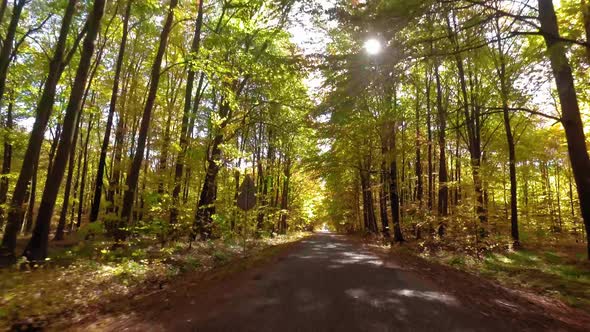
84, 278
555, 268
340, 283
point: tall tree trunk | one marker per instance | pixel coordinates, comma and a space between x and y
134, 170
138, 215
504, 94
61, 225
53, 147
419, 185
383, 190
283, 226
6, 161
457, 180
163, 162
206, 207
63, 213
393, 177
265, 177
84, 171
429, 128
43, 112
443, 188
368, 204
112, 106
395, 205
558, 196
36, 249
393, 184
571, 119
29, 222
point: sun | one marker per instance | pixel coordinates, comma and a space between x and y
372, 46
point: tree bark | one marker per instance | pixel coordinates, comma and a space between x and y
419, 185
84, 171
206, 206
571, 118
383, 195
429, 128
504, 94
443, 189
6, 160
395, 206
61, 225
283, 226
32, 197
368, 204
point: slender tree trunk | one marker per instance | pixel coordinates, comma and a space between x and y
84, 171
76, 184
29, 222
383, 191
429, 128
443, 189
138, 215
61, 225
206, 207
511, 151
163, 162
53, 147
115, 180
37, 247
558, 196
395, 205
419, 185
133, 174
6, 161
457, 163
571, 118
283, 226
112, 106
368, 204
265, 176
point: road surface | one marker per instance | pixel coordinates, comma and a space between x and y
326, 282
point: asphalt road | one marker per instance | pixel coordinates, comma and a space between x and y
329, 283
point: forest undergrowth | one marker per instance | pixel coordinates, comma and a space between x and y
550, 265
91, 276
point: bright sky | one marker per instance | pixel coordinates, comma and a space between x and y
312, 39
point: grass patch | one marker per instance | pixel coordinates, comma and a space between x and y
546, 272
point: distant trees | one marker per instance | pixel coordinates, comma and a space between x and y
130, 150
483, 73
